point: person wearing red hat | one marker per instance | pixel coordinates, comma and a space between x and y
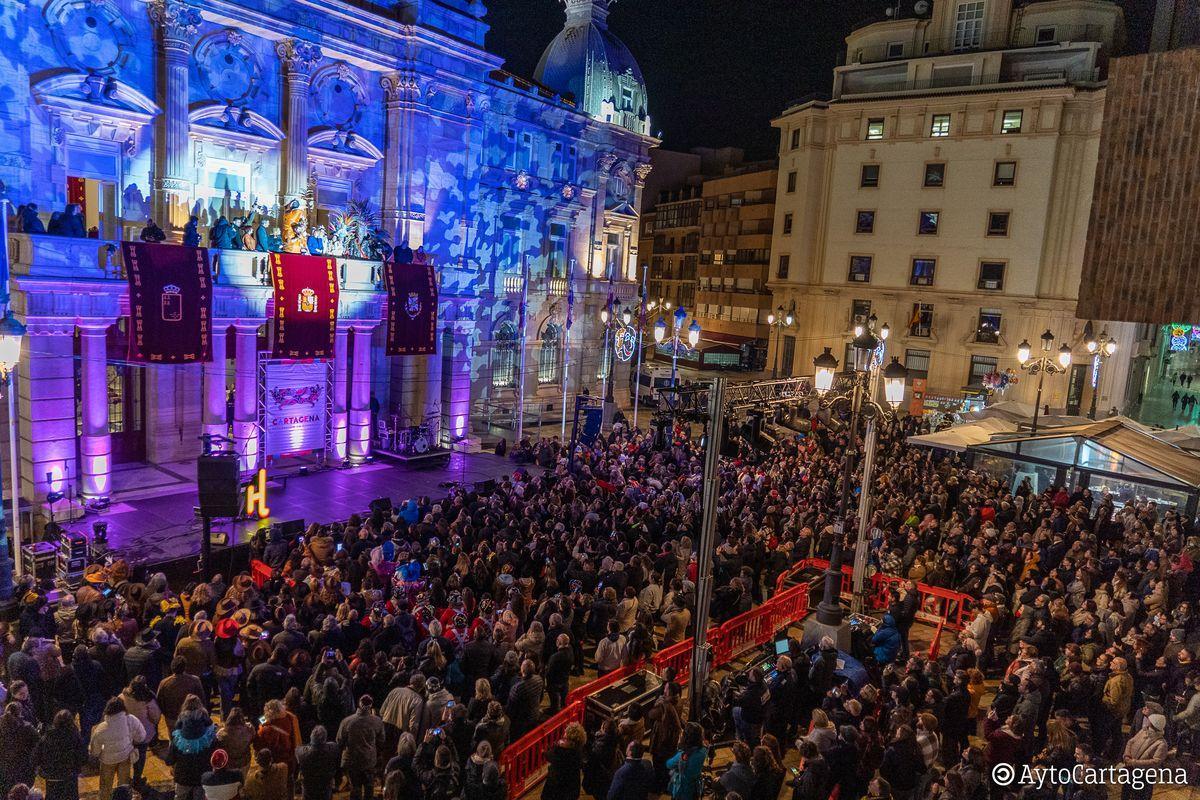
222, 782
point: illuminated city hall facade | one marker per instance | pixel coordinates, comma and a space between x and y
167, 109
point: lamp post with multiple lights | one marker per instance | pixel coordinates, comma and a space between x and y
12, 333
612, 325
851, 393
1100, 349
779, 320
677, 332
1043, 364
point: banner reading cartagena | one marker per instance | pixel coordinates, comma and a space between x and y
306, 302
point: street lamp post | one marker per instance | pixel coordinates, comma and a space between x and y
855, 397
1100, 349
11, 334
779, 320
693, 336
612, 324
1043, 364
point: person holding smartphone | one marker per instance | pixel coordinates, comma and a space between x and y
809, 779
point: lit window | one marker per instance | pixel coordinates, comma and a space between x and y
875, 128
1005, 174
921, 322
1012, 121
917, 361
988, 329
922, 271
940, 125
927, 223
860, 269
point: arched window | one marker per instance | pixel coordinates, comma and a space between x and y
550, 355
504, 357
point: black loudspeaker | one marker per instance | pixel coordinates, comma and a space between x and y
381, 504
217, 482
486, 488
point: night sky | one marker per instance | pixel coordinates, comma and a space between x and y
718, 70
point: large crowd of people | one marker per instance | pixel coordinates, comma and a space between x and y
402, 650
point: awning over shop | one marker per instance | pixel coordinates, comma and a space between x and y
1116, 447
960, 437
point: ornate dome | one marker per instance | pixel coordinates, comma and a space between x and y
589, 62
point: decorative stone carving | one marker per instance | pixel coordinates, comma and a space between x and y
641, 172
400, 86
298, 57
178, 21
605, 162
229, 70
90, 36
338, 96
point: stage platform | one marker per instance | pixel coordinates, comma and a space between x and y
157, 524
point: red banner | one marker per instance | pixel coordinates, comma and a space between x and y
170, 303
412, 298
306, 301
77, 194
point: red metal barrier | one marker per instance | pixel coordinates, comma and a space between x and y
260, 573
616, 676
522, 761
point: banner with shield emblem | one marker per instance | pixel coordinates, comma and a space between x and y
412, 297
306, 305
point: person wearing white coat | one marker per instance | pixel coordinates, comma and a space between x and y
114, 743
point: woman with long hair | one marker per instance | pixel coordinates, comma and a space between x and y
60, 756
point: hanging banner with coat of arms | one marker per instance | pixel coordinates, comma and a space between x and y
170, 303
306, 303
412, 297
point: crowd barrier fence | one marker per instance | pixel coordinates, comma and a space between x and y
523, 762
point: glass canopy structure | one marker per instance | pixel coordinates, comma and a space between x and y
1109, 456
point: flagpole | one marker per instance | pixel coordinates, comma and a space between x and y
524, 322
566, 376
637, 371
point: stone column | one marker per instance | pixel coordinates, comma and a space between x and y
360, 392
215, 423
95, 443
460, 344
298, 59
399, 91
341, 368
433, 386
245, 394
46, 410
178, 24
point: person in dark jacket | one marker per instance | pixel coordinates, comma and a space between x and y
17, 740
558, 673
750, 707
480, 657
903, 765
266, 681
190, 752
59, 758
812, 778
524, 699
820, 672
145, 658
633, 780
191, 235
317, 763
601, 760
360, 737
564, 765
481, 778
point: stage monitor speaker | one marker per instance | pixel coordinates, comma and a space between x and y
381, 504
218, 485
486, 488
291, 527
